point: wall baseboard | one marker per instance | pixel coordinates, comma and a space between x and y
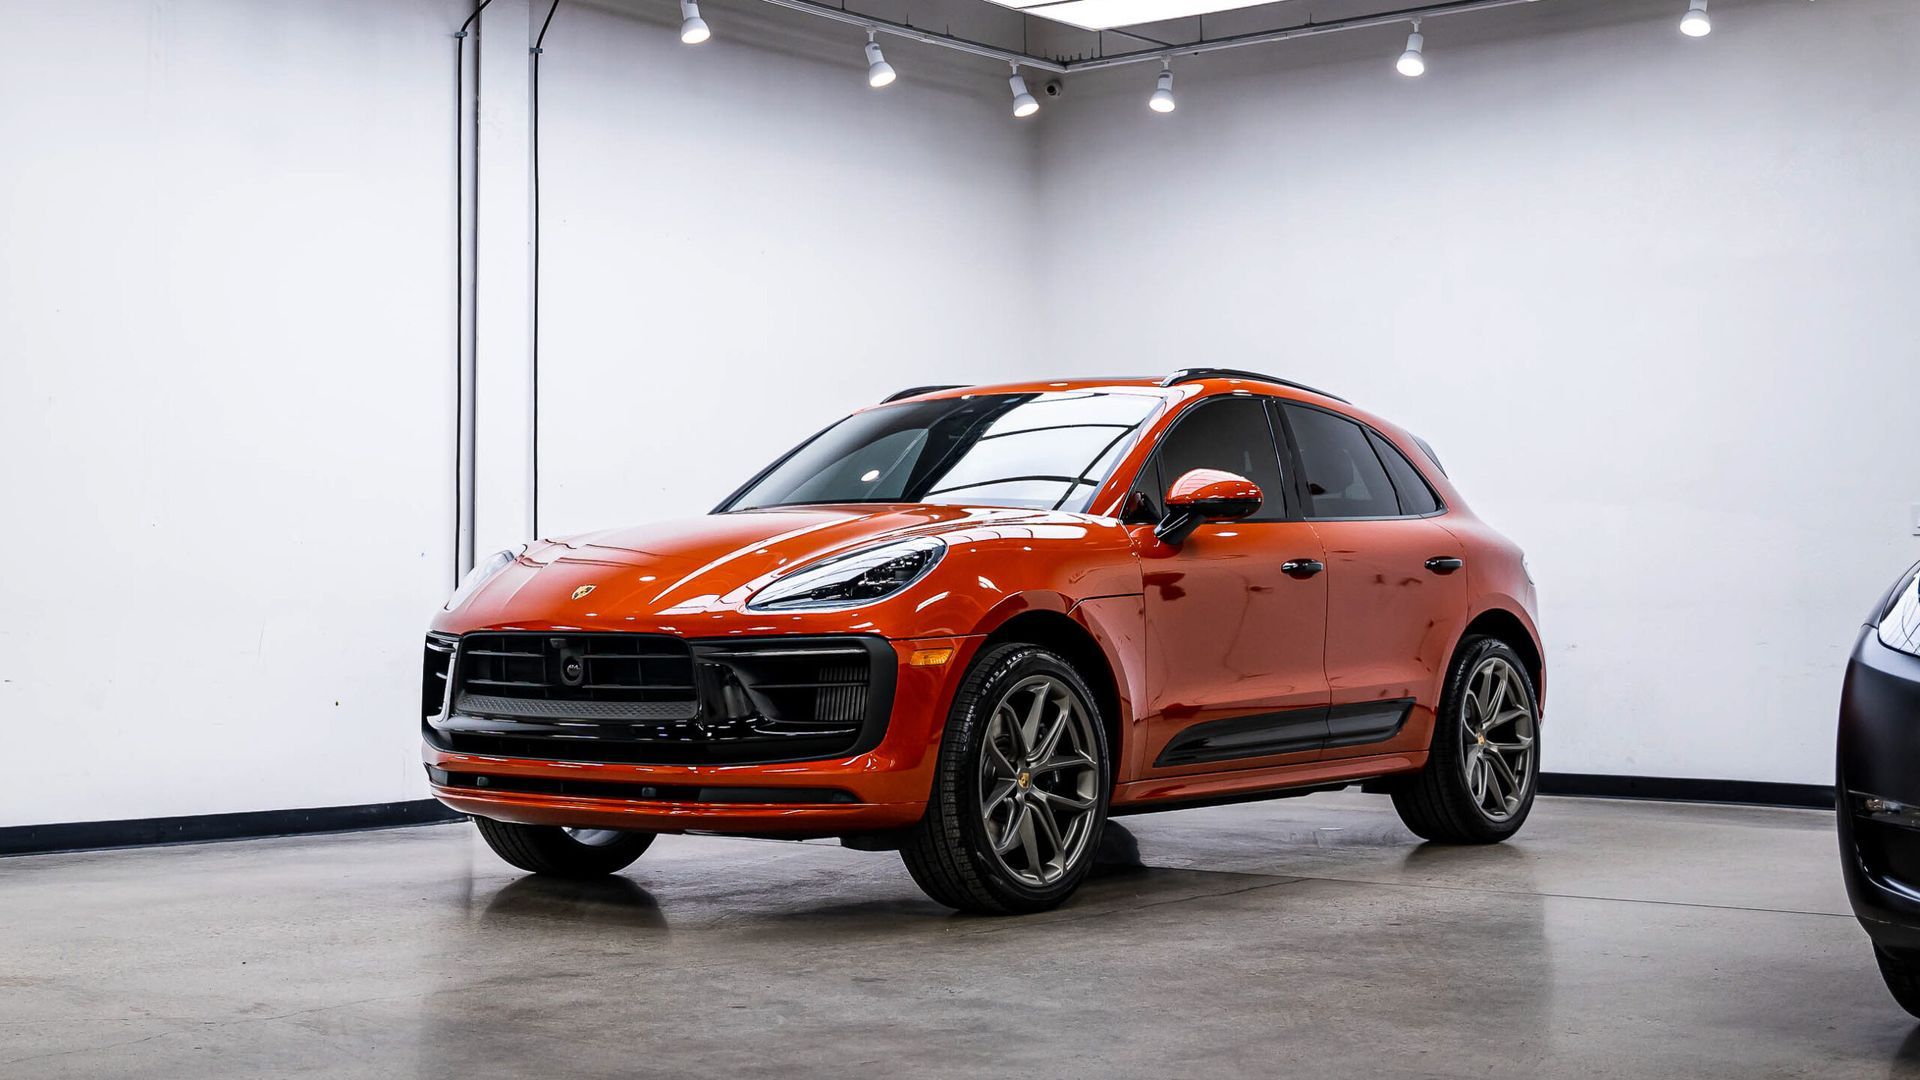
142, 832
1679, 789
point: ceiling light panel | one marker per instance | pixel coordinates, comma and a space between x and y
1106, 14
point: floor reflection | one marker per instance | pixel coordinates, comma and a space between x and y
607, 901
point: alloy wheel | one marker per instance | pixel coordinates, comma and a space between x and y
1498, 749
1039, 780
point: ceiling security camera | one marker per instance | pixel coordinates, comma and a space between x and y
1054, 89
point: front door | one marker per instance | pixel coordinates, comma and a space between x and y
1235, 641
1396, 582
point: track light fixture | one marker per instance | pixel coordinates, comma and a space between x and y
693, 28
1162, 99
1413, 63
1695, 22
879, 72
1023, 102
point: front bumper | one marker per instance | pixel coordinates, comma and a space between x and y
879, 789
1877, 788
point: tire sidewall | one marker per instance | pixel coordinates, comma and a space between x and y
965, 740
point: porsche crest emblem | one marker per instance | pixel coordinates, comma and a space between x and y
582, 591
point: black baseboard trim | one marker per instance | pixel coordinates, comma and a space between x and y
1679, 789
143, 832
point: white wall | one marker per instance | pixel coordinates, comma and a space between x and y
742, 242
1652, 299
225, 349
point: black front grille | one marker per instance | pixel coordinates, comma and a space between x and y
576, 676
655, 699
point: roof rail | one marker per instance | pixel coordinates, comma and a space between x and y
915, 391
1190, 374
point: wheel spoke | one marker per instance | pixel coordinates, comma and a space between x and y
1052, 738
1509, 783
1521, 742
998, 797
1010, 837
1066, 761
1050, 829
1490, 712
1068, 801
1030, 843
996, 761
1030, 727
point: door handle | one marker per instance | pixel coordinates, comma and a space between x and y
1302, 568
1445, 564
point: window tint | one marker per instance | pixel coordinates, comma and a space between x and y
1416, 497
1231, 434
1344, 477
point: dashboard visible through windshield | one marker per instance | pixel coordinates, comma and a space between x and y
1035, 451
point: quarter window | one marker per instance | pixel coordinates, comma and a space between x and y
1344, 476
1416, 496
1232, 434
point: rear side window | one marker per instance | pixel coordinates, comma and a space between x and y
1416, 496
1232, 434
1344, 476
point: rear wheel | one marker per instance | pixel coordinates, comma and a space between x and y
1020, 793
563, 852
1484, 763
1901, 970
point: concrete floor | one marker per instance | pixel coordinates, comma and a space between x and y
1309, 937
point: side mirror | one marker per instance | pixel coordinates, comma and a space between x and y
1205, 495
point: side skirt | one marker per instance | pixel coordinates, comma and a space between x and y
1253, 785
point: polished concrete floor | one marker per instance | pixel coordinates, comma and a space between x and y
1309, 937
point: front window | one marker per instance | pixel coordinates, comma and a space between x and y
1047, 451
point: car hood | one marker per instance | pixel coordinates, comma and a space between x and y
715, 563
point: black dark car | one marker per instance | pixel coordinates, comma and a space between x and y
1878, 786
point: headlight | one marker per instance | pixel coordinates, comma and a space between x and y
481, 573
852, 580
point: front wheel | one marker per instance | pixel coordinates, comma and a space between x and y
1484, 763
1020, 792
561, 852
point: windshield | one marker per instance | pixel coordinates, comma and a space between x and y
1029, 451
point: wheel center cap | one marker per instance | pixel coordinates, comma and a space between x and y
1026, 779
1482, 739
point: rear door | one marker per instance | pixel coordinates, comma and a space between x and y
1235, 676
1396, 580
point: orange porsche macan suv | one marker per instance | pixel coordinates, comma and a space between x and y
970, 623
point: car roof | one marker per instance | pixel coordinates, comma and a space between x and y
1180, 384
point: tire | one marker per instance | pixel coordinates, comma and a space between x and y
985, 844
1901, 970
1440, 802
567, 853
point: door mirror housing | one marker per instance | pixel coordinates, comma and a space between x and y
1204, 495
